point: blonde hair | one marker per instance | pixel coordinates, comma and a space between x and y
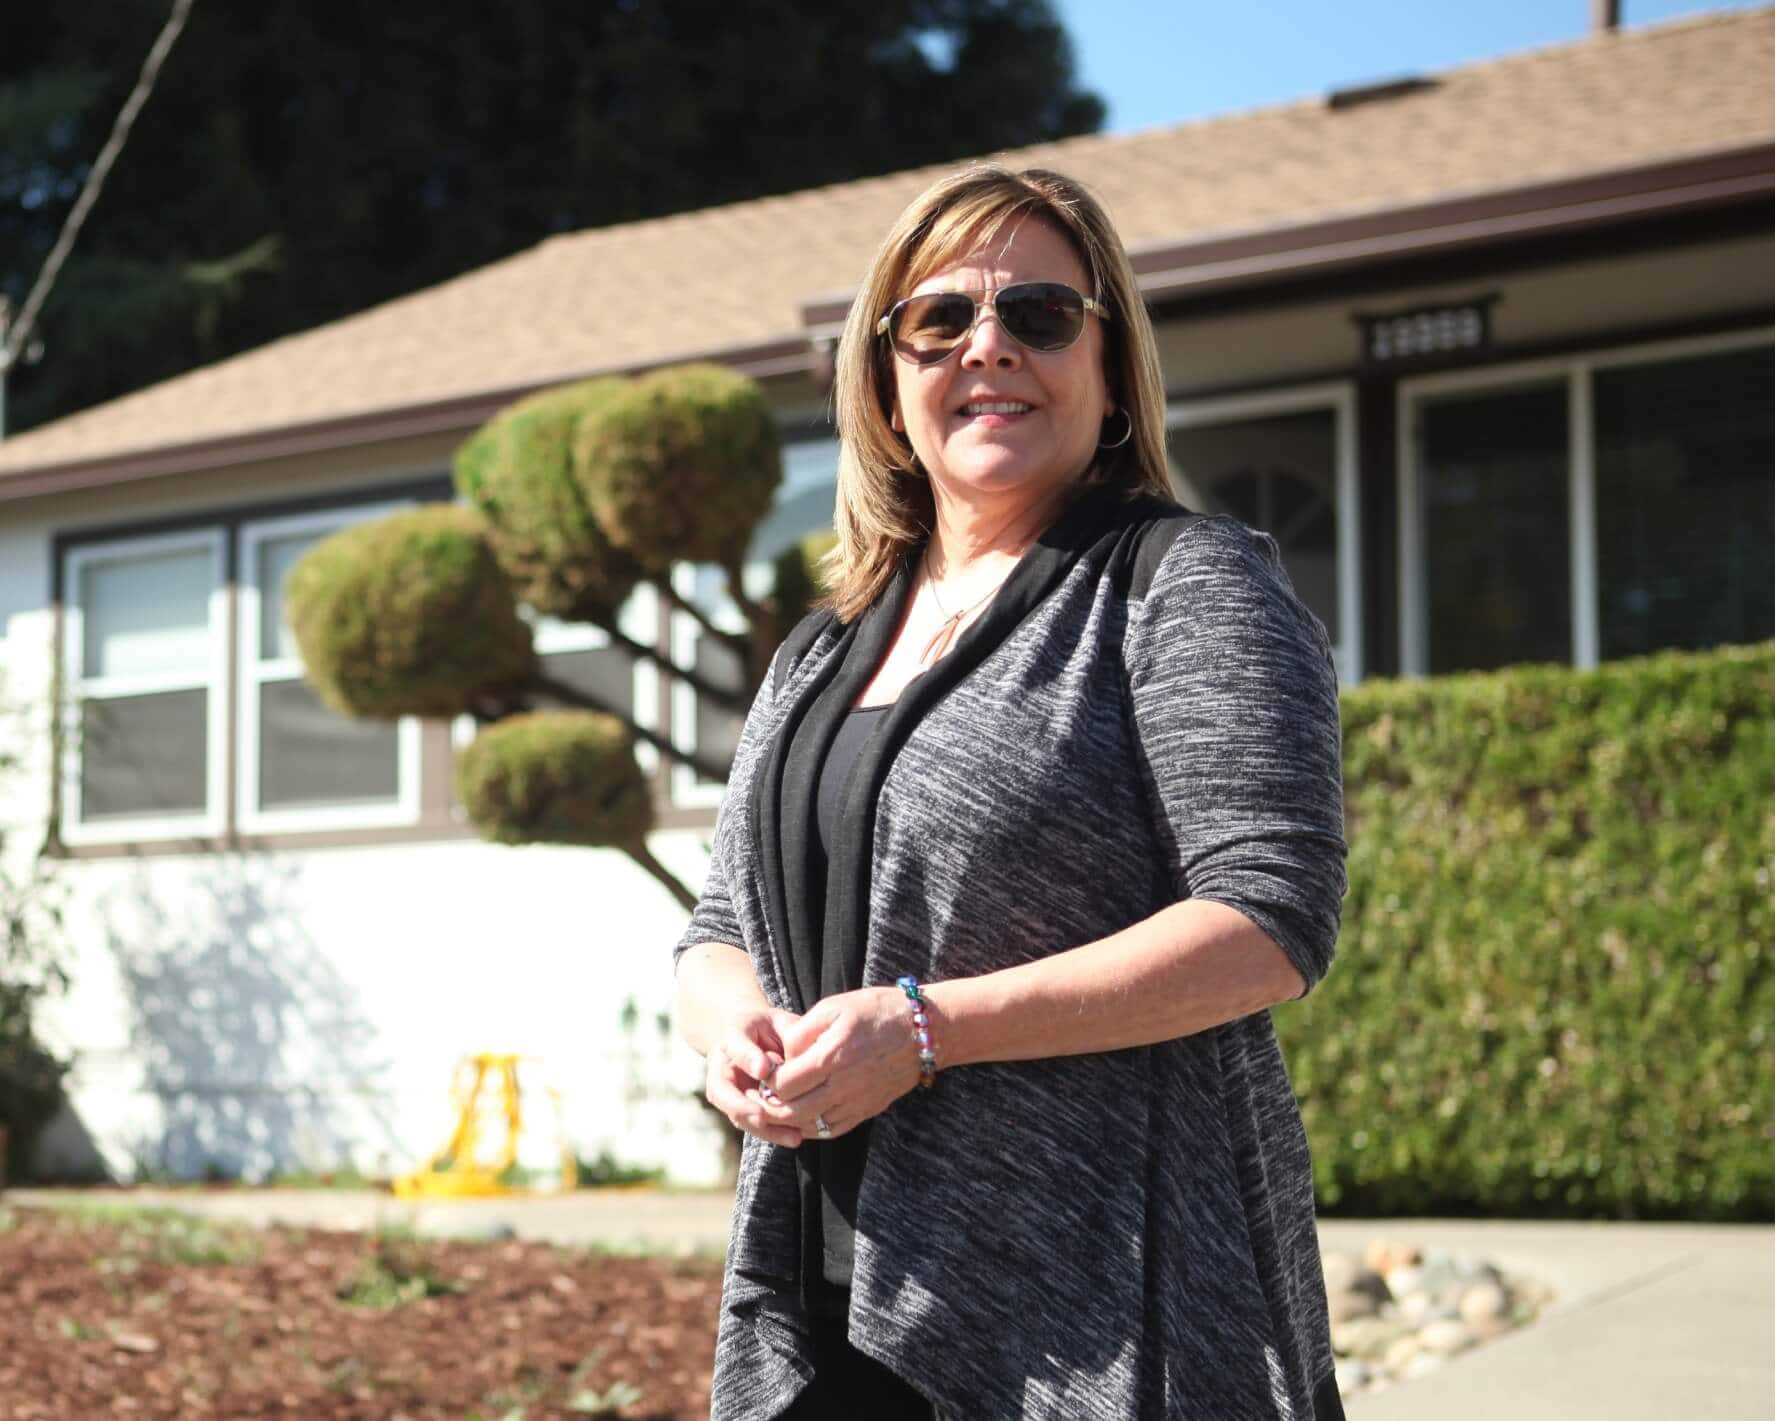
884, 499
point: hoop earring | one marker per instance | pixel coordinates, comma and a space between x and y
1127, 434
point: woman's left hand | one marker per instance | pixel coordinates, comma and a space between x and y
847, 1060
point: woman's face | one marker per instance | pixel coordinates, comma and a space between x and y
1050, 406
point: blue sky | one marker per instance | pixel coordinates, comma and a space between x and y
1164, 61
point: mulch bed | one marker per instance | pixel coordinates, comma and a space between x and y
112, 1313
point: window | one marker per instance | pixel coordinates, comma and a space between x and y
1685, 501
584, 657
709, 729
1495, 528
804, 504
146, 661
1604, 506
190, 717
302, 765
1284, 462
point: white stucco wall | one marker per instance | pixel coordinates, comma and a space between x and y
259, 1013
267, 1012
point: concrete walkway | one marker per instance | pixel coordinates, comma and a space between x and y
1650, 1322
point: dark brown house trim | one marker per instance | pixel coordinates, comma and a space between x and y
458, 414
1708, 182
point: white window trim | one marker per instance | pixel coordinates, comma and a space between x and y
1575, 371
638, 619
211, 820
1340, 398
404, 808
688, 792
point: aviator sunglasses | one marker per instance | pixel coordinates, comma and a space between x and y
1043, 316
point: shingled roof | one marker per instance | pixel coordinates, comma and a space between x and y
743, 282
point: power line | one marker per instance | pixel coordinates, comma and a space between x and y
95, 180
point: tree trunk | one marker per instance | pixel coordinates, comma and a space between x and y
643, 855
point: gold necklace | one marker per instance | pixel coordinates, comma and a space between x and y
945, 634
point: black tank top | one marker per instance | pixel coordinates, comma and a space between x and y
838, 1203
858, 726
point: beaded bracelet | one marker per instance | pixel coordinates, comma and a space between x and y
921, 1031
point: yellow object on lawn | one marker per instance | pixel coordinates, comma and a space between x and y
457, 1170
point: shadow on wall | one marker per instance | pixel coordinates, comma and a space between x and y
66, 1153
253, 1045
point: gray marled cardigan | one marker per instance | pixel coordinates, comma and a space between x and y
1144, 713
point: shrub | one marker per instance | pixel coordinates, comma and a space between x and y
798, 579
1555, 989
409, 615
681, 464
555, 777
517, 470
33, 950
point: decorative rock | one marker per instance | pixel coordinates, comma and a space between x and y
1489, 1327
1366, 1337
1440, 1271
1348, 1304
1406, 1278
1401, 1352
1446, 1336
1399, 1312
1370, 1282
1384, 1255
1484, 1302
1414, 1309
1340, 1271
1477, 1270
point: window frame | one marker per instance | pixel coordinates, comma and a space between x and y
212, 819
252, 534
1339, 397
684, 637
637, 619
1575, 373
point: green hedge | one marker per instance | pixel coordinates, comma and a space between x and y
1555, 988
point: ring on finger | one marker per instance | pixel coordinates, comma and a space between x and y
821, 1128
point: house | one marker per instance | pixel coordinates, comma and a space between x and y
1490, 351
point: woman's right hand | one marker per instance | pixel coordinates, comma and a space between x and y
744, 1055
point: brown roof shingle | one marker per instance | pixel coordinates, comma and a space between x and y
733, 278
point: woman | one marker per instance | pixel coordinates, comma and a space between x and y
1046, 805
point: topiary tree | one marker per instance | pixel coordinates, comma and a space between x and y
572, 499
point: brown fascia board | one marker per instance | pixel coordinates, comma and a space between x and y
1172, 270
1167, 272
783, 355
1180, 269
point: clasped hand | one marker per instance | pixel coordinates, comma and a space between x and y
845, 1061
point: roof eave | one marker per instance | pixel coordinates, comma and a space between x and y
1169, 273
458, 414
1177, 270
